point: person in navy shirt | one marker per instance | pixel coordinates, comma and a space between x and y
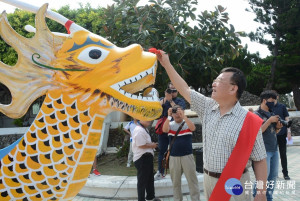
166, 102
280, 109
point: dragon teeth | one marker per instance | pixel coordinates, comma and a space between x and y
136, 78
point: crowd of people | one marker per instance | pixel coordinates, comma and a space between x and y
226, 126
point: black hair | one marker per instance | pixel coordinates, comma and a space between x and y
237, 78
176, 107
275, 93
265, 95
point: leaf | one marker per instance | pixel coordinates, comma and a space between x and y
171, 27
105, 28
221, 8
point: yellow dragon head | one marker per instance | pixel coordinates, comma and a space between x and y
79, 63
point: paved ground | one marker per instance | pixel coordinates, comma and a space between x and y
285, 191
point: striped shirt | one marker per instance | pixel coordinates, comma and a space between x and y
220, 133
183, 143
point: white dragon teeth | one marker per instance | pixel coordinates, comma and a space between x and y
135, 78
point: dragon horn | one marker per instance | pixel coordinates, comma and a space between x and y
70, 25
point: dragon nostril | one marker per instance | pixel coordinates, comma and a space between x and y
95, 54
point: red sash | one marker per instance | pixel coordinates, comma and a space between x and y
239, 156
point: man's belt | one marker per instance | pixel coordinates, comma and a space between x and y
216, 174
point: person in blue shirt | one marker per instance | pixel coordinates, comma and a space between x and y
280, 109
166, 102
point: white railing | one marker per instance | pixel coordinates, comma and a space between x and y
13, 131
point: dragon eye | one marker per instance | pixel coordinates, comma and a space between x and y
93, 55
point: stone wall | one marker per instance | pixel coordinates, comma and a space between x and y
295, 128
6, 140
248, 99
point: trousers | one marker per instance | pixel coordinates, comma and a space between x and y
163, 142
145, 177
281, 140
210, 183
186, 165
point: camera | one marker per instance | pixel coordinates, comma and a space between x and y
285, 123
169, 91
174, 110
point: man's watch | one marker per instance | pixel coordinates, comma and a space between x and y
169, 118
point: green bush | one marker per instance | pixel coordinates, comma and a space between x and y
19, 122
123, 151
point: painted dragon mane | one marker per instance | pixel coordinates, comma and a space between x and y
84, 77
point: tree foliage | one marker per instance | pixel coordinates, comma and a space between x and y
199, 45
256, 70
197, 52
280, 19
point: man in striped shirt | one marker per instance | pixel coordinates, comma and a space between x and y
181, 154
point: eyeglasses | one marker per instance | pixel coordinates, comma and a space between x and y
218, 80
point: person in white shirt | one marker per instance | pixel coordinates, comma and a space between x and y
143, 153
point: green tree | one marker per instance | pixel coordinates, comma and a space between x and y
280, 19
255, 69
198, 53
258, 77
85, 16
17, 20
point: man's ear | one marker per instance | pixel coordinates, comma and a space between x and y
234, 89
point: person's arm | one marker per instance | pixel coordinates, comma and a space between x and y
289, 133
175, 78
148, 146
126, 128
127, 131
162, 101
261, 174
286, 115
168, 97
188, 122
266, 124
166, 126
